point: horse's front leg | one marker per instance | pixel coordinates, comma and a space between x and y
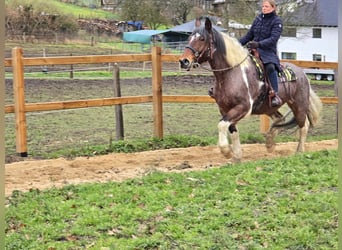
233, 152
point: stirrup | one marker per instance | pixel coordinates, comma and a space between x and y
276, 101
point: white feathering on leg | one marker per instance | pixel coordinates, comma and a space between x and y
223, 140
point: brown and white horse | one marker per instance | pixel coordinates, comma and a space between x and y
239, 92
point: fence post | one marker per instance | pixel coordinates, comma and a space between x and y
119, 127
157, 92
71, 69
19, 101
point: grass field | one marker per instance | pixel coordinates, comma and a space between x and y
286, 203
55, 6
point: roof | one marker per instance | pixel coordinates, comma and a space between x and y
190, 26
141, 36
315, 13
145, 36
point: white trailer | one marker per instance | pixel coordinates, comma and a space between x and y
320, 74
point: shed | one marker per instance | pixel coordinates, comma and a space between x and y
141, 36
178, 33
190, 26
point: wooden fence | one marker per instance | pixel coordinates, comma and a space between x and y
20, 107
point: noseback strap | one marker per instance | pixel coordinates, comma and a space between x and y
196, 53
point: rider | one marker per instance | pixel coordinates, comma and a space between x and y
263, 36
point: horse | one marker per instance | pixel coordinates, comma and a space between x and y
241, 91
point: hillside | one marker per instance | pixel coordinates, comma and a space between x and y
55, 21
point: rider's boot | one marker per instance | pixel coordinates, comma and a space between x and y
276, 101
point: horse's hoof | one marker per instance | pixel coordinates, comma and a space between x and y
270, 148
236, 160
300, 151
226, 152
233, 161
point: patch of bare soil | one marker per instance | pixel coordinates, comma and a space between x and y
43, 174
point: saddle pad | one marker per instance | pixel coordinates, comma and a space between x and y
259, 67
287, 74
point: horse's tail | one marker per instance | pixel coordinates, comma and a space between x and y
286, 125
314, 113
315, 108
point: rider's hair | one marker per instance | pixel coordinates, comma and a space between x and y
271, 2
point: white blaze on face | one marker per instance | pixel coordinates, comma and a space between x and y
194, 37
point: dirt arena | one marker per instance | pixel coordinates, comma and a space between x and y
43, 174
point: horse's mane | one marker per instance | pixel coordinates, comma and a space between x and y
229, 46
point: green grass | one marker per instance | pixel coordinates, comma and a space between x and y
83, 74
67, 9
287, 203
78, 11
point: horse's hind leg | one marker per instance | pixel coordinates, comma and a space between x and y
236, 146
273, 132
270, 135
302, 136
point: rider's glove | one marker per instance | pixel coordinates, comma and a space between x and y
252, 45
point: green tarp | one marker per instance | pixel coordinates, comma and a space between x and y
177, 33
141, 36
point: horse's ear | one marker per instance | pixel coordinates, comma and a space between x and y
198, 22
208, 25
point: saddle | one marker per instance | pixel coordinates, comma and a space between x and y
285, 74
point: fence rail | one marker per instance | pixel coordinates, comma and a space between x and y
20, 107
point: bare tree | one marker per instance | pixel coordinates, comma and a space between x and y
181, 11
151, 13
131, 10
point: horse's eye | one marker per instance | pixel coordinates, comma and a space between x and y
201, 38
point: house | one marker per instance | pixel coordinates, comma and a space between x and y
311, 32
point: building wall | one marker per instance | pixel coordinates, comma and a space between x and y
305, 46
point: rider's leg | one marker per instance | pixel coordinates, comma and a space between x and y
273, 77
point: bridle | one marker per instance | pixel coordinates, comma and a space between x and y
210, 52
198, 55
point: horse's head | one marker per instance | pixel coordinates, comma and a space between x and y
199, 48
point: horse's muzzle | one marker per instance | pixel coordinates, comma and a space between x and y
185, 63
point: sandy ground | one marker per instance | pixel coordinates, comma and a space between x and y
43, 174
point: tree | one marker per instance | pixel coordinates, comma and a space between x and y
148, 11
178, 11
131, 10
151, 13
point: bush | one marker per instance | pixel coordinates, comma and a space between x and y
35, 18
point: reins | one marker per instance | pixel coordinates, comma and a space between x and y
224, 69
211, 51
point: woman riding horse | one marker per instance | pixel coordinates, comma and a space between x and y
263, 36
239, 91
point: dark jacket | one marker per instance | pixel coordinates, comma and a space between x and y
266, 30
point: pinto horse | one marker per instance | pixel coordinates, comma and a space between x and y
239, 91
